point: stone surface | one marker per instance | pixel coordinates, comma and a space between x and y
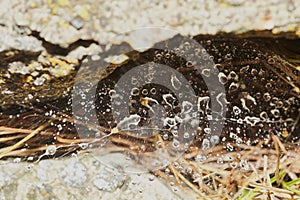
86, 176
64, 23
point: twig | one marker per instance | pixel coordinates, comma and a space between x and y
275, 139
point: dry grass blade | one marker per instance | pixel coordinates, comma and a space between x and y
4, 151
273, 189
4, 130
251, 170
276, 143
168, 157
11, 138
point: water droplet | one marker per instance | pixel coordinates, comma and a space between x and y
234, 165
222, 78
186, 135
233, 75
274, 101
167, 55
220, 161
176, 165
269, 85
83, 145
229, 147
112, 93
286, 105
29, 167
200, 158
206, 72
30, 158
151, 178
207, 130
228, 56
186, 107
244, 165
145, 92
165, 136
134, 81
158, 144
244, 69
271, 61
279, 104
169, 99
267, 96
263, 115
176, 83
233, 86
158, 56
228, 157
51, 150
135, 91
254, 72
257, 95
17, 160
175, 189
214, 139
205, 144
275, 113
170, 121
175, 143
153, 91
236, 110
240, 121
189, 63
187, 45
233, 135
